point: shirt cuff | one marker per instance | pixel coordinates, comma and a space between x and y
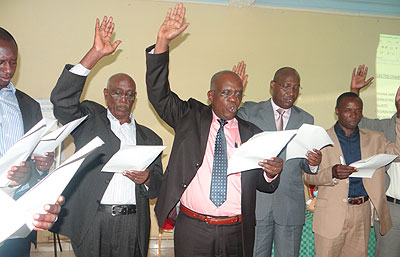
313, 169
269, 180
80, 70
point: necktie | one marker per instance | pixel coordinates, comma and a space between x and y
279, 121
220, 165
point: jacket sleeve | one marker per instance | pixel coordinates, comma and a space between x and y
66, 96
166, 103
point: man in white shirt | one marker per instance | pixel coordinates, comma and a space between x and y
106, 214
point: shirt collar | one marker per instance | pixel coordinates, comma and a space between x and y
276, 107
228, 125
10, 87
113, 119
340, 131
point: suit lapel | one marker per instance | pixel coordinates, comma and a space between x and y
205, 124
140, 136
23, 107
294, 119
269, 119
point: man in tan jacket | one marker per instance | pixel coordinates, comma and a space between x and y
342, 214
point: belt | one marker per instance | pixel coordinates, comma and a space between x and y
210, 219
357, 200
393, 200
117, 210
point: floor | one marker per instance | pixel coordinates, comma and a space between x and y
47, 249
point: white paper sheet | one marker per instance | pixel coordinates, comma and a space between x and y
307, 138
21, 150
50, 141
133, 157
16, 218
264, 145
368, 166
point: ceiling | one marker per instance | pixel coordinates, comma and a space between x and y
355, 7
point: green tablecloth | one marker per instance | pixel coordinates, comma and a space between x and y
307, 239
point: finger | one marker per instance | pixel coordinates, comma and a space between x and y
116, 44
60, 200
354, 73
369, 80
52, 208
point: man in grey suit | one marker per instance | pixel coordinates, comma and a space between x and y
280, 216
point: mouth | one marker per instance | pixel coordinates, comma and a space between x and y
6, 79
232, 108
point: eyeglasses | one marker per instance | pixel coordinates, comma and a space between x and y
119, 95
229, 93
287, 88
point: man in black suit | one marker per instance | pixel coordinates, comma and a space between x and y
205, 226
19, 113
106, 214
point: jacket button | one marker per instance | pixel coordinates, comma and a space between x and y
184, 185
197, 165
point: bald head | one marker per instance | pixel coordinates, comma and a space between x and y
222, 75
119, 77
120, 95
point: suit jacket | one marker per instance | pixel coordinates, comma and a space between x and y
31, 114
287, 202
87, 187
331, 204
191, 122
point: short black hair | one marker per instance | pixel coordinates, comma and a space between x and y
6, 36
347, 94
279, 71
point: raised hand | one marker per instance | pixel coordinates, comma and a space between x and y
102, 37
240, 69
172, 27
358, 79
102, 45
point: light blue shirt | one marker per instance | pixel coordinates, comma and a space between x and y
11, 123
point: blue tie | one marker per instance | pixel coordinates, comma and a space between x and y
220, 165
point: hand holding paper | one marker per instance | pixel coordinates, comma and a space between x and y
367, 167
16, 217
20, 151
133, 157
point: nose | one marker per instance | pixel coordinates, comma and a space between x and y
124, 99
6, 67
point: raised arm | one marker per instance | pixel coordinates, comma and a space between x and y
240, 69
102, 45
172, 27
358, 79
166, 103
67, 92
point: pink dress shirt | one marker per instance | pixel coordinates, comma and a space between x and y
197, 195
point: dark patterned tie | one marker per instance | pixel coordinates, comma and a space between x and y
219, 170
